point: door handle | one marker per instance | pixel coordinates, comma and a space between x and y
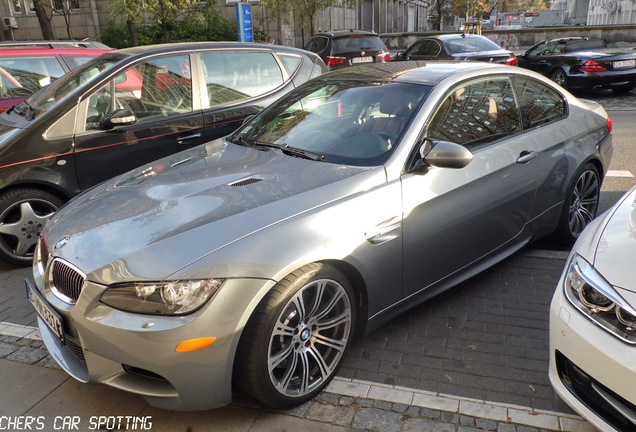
526, 156
182, 138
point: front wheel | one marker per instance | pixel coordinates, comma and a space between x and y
581, 204
297, 337
23, 214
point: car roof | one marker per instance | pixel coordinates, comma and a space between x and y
338, 33
30, 52
457, 36
189, 46
55, 44
421, 72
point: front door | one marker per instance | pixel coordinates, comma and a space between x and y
169, 119
455, 217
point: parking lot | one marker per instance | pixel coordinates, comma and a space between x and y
486, 339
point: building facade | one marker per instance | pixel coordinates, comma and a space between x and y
86, 19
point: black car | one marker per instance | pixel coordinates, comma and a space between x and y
344, 48
457, 47
579, 63
123, 109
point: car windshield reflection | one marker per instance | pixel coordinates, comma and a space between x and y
352, 122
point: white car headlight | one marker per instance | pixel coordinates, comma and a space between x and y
597, 299
161, 298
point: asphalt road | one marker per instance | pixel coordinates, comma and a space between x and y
485, 339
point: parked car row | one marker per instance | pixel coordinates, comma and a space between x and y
365, 176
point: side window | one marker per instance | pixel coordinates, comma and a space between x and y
414, 49
539, 104
476, 113
32, 73
152, 89
291, 62
430, 48
235, 77
317, 44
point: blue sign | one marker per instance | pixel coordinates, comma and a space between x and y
244, 20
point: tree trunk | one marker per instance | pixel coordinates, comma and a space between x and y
132, 30
44, 20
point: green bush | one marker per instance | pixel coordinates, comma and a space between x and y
199, 25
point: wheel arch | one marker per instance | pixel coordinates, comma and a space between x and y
46, 187
360, 289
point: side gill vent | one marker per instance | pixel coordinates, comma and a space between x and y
245, 182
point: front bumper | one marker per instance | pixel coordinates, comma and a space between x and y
590, 369
136, 353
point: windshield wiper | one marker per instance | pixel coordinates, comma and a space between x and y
293, 151
307, 154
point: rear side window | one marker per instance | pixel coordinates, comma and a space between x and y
291, 62
539, 104
357, 43
318, 44
234, 77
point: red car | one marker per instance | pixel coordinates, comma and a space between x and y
25, 68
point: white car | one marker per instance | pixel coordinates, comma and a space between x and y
593, 322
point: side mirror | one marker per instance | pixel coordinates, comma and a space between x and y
400, 56
444, 154
122, 117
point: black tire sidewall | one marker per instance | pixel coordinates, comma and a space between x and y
251, 371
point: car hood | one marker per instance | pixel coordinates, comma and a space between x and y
616, 247
183, 207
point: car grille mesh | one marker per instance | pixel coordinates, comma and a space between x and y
75, 349
66, 280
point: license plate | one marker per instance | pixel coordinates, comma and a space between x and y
51, 318
624, 64
366, 59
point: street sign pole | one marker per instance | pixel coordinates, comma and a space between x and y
244, 20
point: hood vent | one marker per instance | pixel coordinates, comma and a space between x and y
245, 182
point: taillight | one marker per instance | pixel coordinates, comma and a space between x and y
385, 56
610, 124
335, 60
593, 66
512, 61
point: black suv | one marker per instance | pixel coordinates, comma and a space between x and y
340, 49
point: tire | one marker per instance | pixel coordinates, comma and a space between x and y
23, 214
580, 206
296, 339
559, 77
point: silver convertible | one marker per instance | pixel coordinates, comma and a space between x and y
255, 259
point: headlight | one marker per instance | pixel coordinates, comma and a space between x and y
161, 298
597, 299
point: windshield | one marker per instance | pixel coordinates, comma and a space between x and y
349, 122
471, 44
46, 97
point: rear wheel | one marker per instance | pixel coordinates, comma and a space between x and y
559, 77
23, 214
297, 337
581, 204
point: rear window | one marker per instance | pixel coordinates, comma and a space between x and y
357, 43
464, 45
